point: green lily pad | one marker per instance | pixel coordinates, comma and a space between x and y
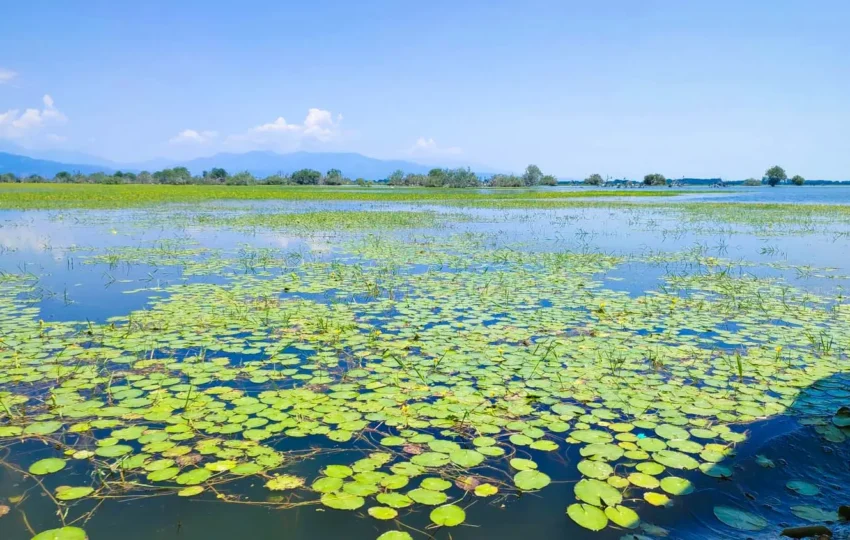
623, 516
587, 516
448, 515
382, 512
342, 501
427, 496
193, 477
66, 493
597, 492
531, 480
47, 466
65, 533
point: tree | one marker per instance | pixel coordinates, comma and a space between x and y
506, 180
532, 175
548, 180
593, 180
752, 182
63, 176
217, 173
775, 175
396, 178
306, 177
654, 179
334, 177
798, 180
243, 178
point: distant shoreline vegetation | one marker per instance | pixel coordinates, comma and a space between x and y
435, 178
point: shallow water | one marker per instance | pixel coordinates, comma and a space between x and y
89, 267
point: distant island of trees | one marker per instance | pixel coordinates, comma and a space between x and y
436, 178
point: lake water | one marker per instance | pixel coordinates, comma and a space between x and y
566, 275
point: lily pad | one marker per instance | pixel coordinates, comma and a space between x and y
588, 516
448, 515
739, 519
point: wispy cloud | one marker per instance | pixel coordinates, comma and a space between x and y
190, 136
6, 75
429, 147
15, 124
319, 126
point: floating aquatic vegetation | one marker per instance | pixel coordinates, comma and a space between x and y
450, 368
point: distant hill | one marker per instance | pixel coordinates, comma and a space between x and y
26, 166
267, 163
259, 164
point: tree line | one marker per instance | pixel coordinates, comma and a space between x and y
449, 178
772, 177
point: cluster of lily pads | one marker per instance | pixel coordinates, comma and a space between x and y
454, 369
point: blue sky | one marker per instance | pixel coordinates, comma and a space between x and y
621, 88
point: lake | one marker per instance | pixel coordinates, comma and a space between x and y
397, 367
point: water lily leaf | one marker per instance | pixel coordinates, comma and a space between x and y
338, 471
395, 535
813, 514
43, 428
161, 475
644, 480
803, 488
382, 512
117, 450
284, 482
595, 469
622, 516
676, 486
531, 480
193, 477
587, 516
190, 491
394, 500
66, 493
656, 499
448, 515
675, 460
842, 417
47, 466
342, 501
430, 459
591, 436
597, 492
427, 496
466, 458
246, 469
522, 464
485, 490
435, 484
739, 519
65, 533
327, 484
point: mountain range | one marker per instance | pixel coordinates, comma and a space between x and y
258, 163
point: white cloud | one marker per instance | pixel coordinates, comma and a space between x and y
429, 147
319, 125
191, 136
6, 75
18, 125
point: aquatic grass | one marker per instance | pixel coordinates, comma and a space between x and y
68, 196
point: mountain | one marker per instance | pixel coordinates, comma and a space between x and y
26, 166
258, 163
267, 163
